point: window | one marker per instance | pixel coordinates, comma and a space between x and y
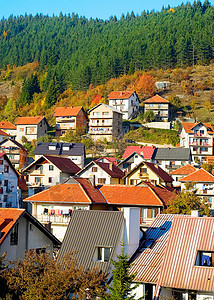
103, 253
37, 179
102, 180
143, 170
6, 169
51, 167
39, 168
105, 113
6, 182
21, 129
1, 162
50, 179
160, 105
150, 105
205, 259
94, 169
14, 235
31, 227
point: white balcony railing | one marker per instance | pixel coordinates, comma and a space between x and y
53, 219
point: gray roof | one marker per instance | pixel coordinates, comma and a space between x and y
75, 149
172, 154
89, 229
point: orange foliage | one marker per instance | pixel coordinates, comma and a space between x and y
145, 84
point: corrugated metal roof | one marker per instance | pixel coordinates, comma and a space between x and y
187, 236
181, 154
90, 229
146, 262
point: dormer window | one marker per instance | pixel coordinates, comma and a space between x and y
205, 259
52, 146
103, 253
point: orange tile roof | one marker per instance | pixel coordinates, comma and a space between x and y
28, 120
188, 127
156, 99
163, 193
8, 217
130, 195
7, 125
120, 95
67, 111
200, 175
184, 170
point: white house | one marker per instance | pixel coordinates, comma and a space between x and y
199, 138
21, 232
126, 102
179, 173
47, 171
130, 162
8, 127
8, 183
31, 127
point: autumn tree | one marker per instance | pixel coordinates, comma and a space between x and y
145, 84
175, 100
186, 201
41, 277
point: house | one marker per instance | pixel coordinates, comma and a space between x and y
147, 152
8, 127
147, 260
53, 206
181, 172
108, 159
199, 138
126, 102
102, 173
204, 183
160, 107
31, 128
15, 152
8, 182
69, 118
170, 159
21, 232
130, 162
149, 172
47, 171
74, 151
149, 198
105, 122
187, 269
162, 85
102, 233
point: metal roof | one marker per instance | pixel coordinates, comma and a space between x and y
182, 154
89, 229
187, 236
147, 260
75, 149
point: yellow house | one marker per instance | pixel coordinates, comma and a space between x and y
149, 172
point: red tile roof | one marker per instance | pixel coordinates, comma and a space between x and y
184, 170
156, 99
28, 120
7, 125
146, 151
200, 175
159, 171
120, 95
188, 127
130, 195
3, 133
67, 111
114, 160
96, 100
187, 236
115, 172
8, 217
162, 192
80, 191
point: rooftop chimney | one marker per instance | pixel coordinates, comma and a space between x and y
110, 166
92, 180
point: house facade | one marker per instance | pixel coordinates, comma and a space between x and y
8, 182
102, 173
105, 122
126, 102
74, 151
21, 232
69, 118
15, 152
31, 128
8, 127
48, 171
130, 162
199, 138
180, 173
160, 107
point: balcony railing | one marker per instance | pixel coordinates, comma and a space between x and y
199, 144
53, 219
146, 221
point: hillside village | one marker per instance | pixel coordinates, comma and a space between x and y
61, 195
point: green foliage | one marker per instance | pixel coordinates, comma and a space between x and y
148, 116
207, 167
30, 86
175, 100
45, 138
121, 287
153, 135
186, 201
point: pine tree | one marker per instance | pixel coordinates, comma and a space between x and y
122, 285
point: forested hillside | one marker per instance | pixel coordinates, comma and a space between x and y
75, 50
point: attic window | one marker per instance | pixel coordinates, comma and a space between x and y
14, 235
205, 259
94, 169
103, 253
147, 244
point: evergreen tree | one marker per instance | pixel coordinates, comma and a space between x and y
122, 285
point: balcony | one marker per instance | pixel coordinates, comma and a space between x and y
61, 220
198, 143
37, 172
9, 151
146, 221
